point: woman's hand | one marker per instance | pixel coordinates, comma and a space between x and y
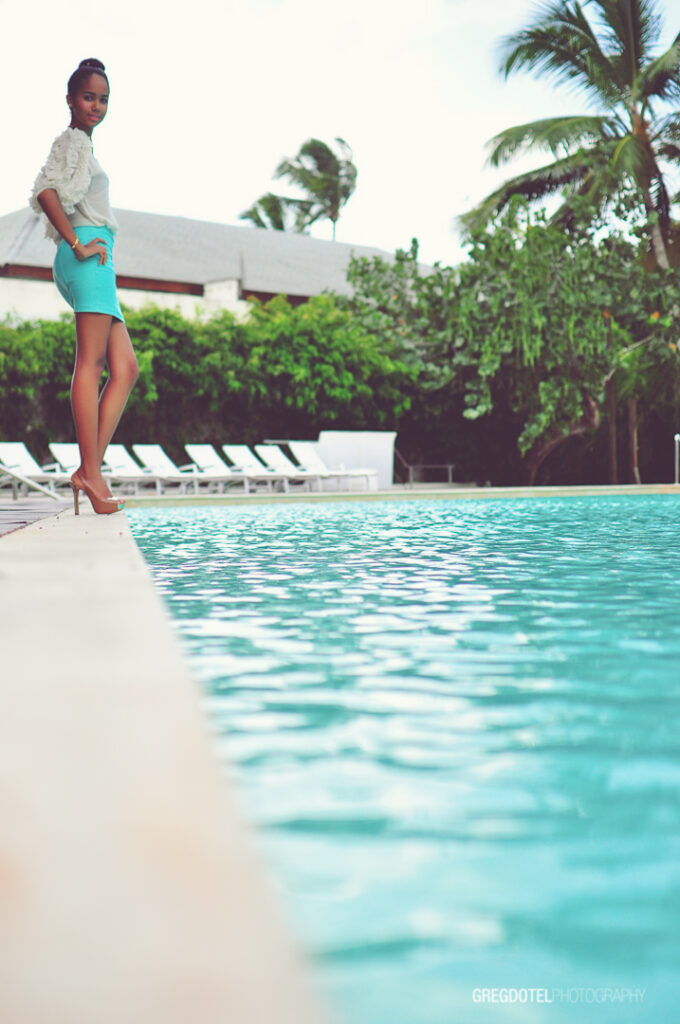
54, 211
97, 247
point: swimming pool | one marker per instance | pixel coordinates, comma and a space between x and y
457, 725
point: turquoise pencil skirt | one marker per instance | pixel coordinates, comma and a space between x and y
87, 285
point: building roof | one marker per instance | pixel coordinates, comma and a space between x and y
154, 247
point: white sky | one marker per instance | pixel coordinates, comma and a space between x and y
208, 96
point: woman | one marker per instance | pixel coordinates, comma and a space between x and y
72, 193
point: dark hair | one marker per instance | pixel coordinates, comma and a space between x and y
87, 67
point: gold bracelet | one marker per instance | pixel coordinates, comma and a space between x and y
77, 242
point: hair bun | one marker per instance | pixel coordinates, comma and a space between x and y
93, 63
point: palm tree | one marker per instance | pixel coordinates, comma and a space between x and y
328, 179
277, 212
610, 57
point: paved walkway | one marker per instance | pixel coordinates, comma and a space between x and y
15, 514
130, 889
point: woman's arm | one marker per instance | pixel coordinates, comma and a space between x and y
54, 211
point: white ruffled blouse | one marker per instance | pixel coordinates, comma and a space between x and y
82, 186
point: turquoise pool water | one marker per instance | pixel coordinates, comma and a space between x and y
458, 726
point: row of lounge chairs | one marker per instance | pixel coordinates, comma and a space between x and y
268, 466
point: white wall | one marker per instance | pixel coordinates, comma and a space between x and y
224, 295
40, 300
30, 300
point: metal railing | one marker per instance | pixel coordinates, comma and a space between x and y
413, 469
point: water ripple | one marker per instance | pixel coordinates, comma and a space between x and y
457, 724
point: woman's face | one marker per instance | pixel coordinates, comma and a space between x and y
88, 106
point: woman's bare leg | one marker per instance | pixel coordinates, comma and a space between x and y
92, 334
123, 371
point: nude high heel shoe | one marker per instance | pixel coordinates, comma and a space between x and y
102, 506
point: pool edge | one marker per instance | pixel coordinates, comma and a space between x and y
120, 830
466, 493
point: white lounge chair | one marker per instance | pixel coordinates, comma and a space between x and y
16, 458
306, 454
213, 468
118, 466
275, 458
123, 468
67, 455
248, 464
161, 465
17, 481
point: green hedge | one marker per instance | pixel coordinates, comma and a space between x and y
283, 372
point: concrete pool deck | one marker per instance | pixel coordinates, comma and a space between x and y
129, 886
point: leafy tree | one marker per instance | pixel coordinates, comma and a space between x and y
551, 318
36, 363
528, 332
389, 298
22, 372
411, 308
312, 366
610, 56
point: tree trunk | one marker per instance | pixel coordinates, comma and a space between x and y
634, 469
542, 449
658, 244
640, 130
610, 394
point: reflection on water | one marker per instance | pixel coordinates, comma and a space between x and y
458, 726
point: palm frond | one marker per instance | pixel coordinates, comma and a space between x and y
328, 179
551, 133
667, 128
306, 212
609, 55
669, 151
279, 213
662, 202
316, 160
631, 28
594, 188
320, 156
661, 77
266, 212
561, 44
537, 184
631, 158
